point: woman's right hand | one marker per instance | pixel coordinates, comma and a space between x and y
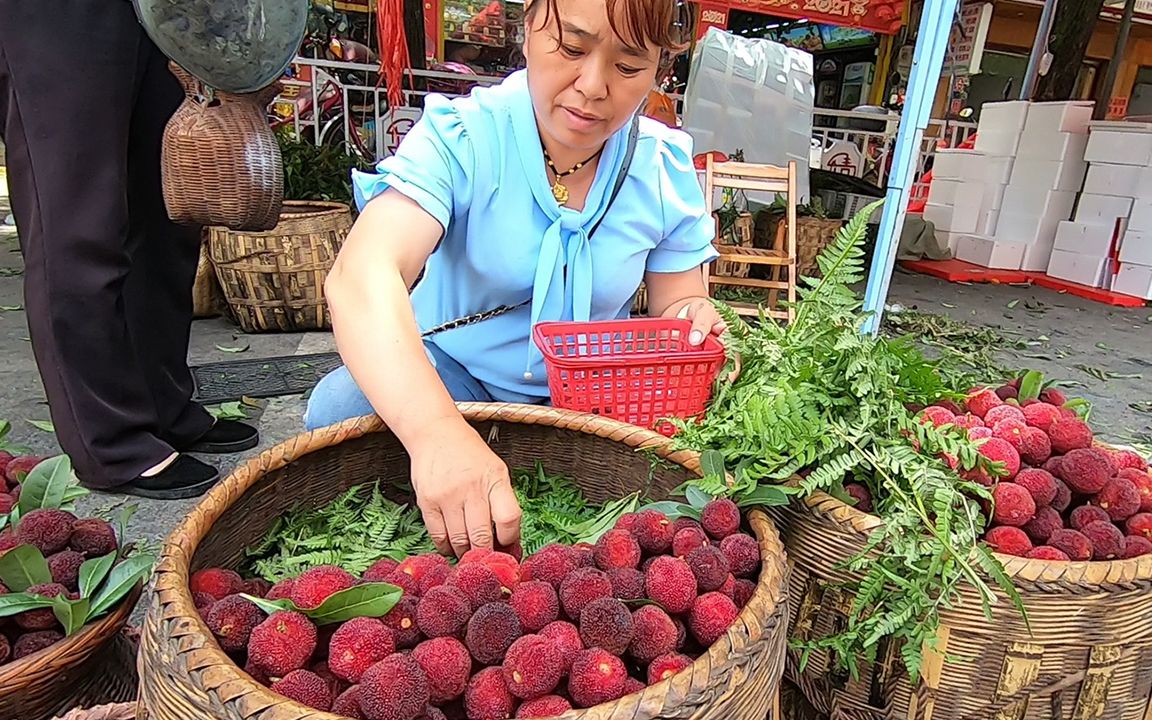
463, 489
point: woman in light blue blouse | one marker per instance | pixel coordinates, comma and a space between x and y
544, 198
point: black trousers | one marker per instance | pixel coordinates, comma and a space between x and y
84, 99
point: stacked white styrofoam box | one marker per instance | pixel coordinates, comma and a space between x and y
1116, 204
965, 195
1047, 173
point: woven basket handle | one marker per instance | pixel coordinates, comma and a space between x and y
196, 90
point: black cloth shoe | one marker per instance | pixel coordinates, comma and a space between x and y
186, 477
225, 436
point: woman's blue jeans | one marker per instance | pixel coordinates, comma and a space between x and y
337, 397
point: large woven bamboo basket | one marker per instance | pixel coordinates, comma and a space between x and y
94, 666
1086, 655
812, 236
116, 711
186, 676
207, 297
274, 280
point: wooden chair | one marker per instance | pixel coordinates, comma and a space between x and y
781, 257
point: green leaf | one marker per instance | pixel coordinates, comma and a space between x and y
93, 572
5, 428
233, 349
271, 606
11, 308
673, 509
22, 567
46, 485
365, 600
1031, 385
763, 496
72, 614
712, 463
120, 582
1012, 305
122, 519
697, 498
18, 602
641, 602
45, 425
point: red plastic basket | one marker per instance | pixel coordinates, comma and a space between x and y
637, 371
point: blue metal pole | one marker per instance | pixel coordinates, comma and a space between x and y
927, 61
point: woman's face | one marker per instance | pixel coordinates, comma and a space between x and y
585, 83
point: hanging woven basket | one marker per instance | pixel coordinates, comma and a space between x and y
221, 164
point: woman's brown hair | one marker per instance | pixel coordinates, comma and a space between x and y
667, 24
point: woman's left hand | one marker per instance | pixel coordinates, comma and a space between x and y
706, 321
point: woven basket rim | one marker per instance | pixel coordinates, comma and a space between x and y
290, 210
92, 634
172, 569
1071, 573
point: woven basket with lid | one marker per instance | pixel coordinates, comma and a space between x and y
185, 675
94, 666
274, 280
1086, 656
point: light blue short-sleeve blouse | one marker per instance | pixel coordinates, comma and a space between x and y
476, 165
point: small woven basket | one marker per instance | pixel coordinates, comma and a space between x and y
274, 280
185, 675
92, 667
220, 163
1086, 655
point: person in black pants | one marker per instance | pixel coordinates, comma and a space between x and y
84, 99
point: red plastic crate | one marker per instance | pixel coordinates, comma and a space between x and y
638, 371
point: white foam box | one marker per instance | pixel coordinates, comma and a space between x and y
989, 252
945, 217
1102, 209
1135, 280
1122, 143
1007, 115
1001, 141
1060, 116
1061, 146
953, 164
1037, 255
1140, 219
991, 169
1067, 175
942, 191
987, 223
1112, 179
1084, 238
1026, 228
1083, 269
1038, 201
1136, 247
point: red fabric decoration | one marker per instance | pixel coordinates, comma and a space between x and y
394, 61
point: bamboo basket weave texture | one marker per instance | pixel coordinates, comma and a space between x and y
94, 666
812, 236
274, 280
1087, 655
220, 163
207, 297
185, 675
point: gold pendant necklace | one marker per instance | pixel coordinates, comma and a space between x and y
559, 189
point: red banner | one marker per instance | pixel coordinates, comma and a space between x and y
882, 16
711, 15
